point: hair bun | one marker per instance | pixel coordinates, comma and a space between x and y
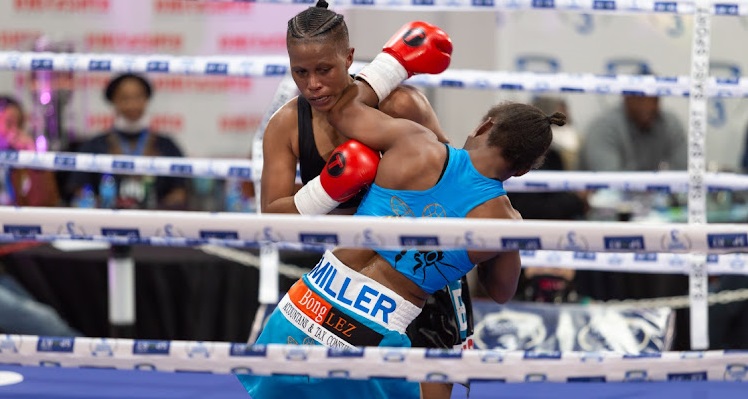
321, 4
558, 119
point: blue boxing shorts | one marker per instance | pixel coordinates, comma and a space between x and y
334, 306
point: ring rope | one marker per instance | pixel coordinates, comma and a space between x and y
581, 6
248, 230
413, 364
538, 181
277, 66
675, 302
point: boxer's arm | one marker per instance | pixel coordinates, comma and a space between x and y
354, 117
498, 272
278, 182
499, 276
407, 102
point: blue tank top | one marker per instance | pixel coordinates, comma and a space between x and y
460, 189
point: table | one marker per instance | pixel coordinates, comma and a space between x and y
181, 293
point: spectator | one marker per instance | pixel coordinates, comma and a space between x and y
20, 312
129, 94
636, 135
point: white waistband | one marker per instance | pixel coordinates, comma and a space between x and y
361, 295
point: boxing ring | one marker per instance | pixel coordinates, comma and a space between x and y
53, 367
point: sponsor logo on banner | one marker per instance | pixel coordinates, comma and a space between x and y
624, 243
676, 240
726, 9
64, 161
117, 232
199, 349
102, 347
441, 353
122, 165
394, 355
180, 169
677, 261
22, 231
219, 234
533, 355
145, 367
55, 344
15, 39
202, 7
536, 377
319, 238
9, 156
157, 66
470, 241
247, 350
415, 241
99, 65
240, 172
695, 376
345, 352
71, 6
727, 240
736, 372
268, 235
275, 70
437, 377
573, 242
368, 239
238, 123
737, 262
216, 68
635, 376
532, 243
150, 347
10, 344
599, 378
591, 256
202, 84
489, 356
234, 43
71, 229
645, 257
140, 42
42, 64
296, 353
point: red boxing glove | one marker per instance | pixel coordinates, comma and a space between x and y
418, 47
351, 168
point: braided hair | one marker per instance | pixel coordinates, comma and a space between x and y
318, 23
523, 132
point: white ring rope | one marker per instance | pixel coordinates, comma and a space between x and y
581, 6
247, 230
275, 66
537, 181
413, 364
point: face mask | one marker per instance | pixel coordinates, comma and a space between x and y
128, 126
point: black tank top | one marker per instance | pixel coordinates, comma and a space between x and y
310, 162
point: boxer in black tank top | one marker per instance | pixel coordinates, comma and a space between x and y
437, 325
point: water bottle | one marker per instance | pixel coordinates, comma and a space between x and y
108, 192
87, 198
